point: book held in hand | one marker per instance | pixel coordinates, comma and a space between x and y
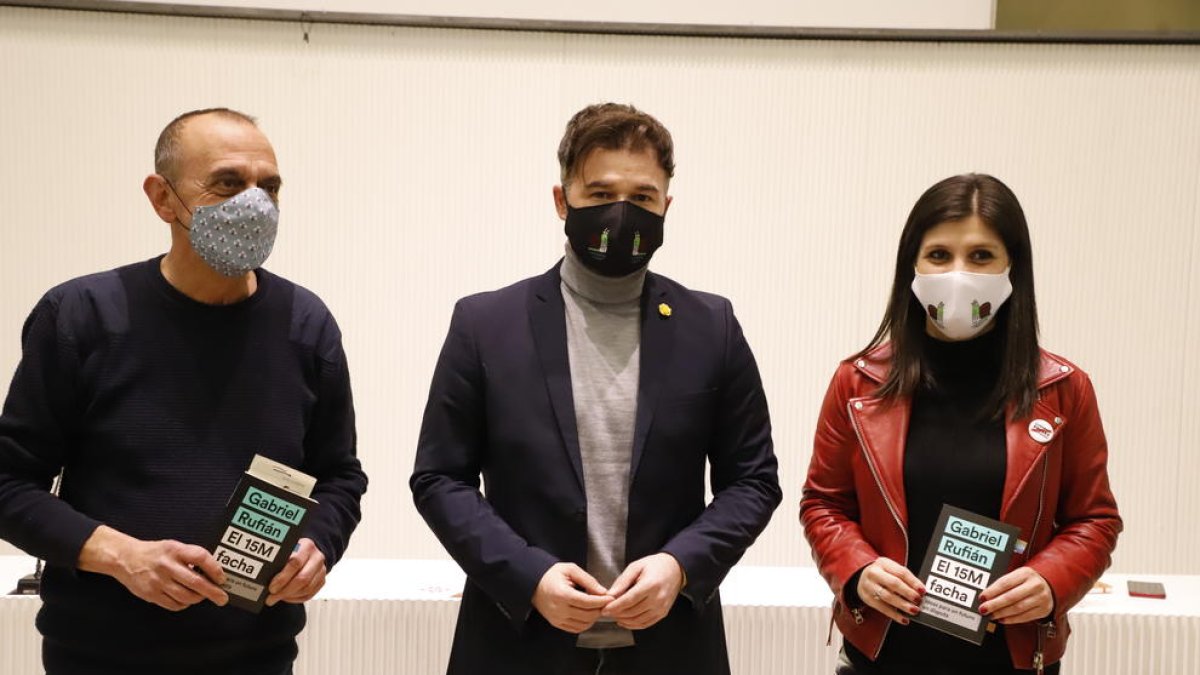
262, 523
966, 554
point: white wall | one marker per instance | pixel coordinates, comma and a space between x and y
418, 166
958, 14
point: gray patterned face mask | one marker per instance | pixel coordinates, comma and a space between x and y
237, 235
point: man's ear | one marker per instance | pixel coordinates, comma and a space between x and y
668, 204
161, 197
560, 202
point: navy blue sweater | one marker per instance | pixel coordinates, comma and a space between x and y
152, 405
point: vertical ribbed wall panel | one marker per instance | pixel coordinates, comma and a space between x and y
418, 165
776, 620
779, 640
395, 637
22, 654
387, 637
1108, 644
376, 637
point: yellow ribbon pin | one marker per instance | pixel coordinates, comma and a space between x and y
665, 310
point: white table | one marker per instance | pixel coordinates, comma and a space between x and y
396, 617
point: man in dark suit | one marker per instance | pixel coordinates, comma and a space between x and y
590, 398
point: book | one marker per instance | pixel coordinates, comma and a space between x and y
966, 554
262, 522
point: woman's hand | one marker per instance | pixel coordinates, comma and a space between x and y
1020, 596
889, 588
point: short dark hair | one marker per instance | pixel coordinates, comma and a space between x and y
166, 150
613, 126
903, 324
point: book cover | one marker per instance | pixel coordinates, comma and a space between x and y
262, 523
966, 554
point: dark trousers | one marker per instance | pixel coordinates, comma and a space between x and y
861, 666
285, 671
604, 661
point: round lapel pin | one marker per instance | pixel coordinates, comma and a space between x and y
1041, 431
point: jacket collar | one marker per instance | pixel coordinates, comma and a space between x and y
657, 347
548, 324
884, 428
877, 363
549, 327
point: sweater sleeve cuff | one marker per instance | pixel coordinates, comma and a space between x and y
324, 536
70, 536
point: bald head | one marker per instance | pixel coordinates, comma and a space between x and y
205, 158
168, 149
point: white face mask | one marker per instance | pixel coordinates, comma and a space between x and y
961, 304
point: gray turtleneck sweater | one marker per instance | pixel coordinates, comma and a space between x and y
603, 344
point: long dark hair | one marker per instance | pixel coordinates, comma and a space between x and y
903, 323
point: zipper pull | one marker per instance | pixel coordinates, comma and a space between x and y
1051, 630
832, 618
1039, 658
858, 617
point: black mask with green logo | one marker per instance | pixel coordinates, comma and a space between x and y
614, 239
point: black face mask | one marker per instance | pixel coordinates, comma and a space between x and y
614, 239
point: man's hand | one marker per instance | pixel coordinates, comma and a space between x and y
569, 598
166, 572
301, 577
1020, 596
645, 591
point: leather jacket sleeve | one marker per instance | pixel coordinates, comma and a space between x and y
1086, 513
829, 507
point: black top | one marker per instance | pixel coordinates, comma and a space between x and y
955, 453
153, 405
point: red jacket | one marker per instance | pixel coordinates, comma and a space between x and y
854, 508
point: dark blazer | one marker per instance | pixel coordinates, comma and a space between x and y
501, 405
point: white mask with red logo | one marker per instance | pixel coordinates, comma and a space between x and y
961, 304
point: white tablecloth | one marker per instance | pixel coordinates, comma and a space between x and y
396, 617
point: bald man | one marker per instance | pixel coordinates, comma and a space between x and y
150, 388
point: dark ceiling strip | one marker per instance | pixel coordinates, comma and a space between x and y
621, 28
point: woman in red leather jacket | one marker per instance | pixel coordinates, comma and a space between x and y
953, 402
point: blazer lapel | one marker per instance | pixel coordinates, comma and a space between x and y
547, 319
658, 335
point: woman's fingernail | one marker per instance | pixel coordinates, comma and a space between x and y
914, 610
983, 609
904, 621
